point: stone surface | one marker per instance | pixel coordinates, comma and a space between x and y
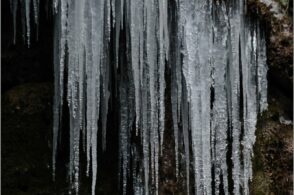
279, 33
273, 151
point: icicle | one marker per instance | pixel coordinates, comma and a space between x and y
89, 78
28, 26
105, 74
55, 5
135, 43
107, 20
250, 113
97, 46
105, 100
262, 71
196, 69
113, 11
122, 3
56, 100
118, 21
36, 11
234, 91
175, 90
25, 8
163, 40
220, 107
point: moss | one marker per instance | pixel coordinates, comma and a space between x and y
261, 182
273, 150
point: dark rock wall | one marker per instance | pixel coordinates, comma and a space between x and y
273, 152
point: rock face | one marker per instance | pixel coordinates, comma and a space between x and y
278, 21
273, 173
273, 151
26, 135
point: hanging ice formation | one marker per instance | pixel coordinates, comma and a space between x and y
25, 11
217, 59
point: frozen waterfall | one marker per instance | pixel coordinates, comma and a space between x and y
216, 56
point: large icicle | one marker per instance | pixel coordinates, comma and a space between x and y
234, 90
249, 67
197, 73
220, 107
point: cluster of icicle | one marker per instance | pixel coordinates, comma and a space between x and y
217, 60
25, 13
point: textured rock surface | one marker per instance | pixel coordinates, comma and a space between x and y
273, 173
279, 39
274, 150
26, 135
